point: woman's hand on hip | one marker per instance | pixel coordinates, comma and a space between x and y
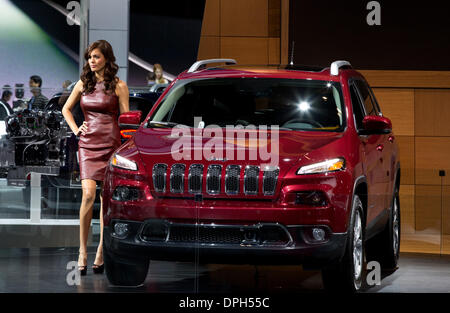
82, 129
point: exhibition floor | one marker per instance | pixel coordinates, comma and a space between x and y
45, 270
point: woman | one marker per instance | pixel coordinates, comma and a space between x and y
101, 95
158, 72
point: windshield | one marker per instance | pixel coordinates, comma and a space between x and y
292, 104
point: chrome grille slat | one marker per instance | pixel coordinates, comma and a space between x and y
232, 179
159, 175
177, 178
251, 180
270, 179
213, 178
195, 178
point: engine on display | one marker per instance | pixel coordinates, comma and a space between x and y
37, 138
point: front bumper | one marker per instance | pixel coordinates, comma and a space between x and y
207, 244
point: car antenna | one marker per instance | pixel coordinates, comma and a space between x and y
291, 63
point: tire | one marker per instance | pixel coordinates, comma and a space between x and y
129, 272
385, 246
349, 274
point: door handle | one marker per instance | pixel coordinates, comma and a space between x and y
391, 139
380, 148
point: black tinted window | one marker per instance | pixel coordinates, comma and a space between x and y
290, 103
357, 109
369, 105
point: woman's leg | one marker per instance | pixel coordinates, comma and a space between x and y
99, 255
87, 203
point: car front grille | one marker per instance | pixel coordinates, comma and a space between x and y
195, 178
159, 177
270, 178
213, 179
232, 177
177, 178
251, 180
255, 235
210, 179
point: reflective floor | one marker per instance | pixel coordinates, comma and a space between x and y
45, 270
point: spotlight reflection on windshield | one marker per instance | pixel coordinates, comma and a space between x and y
304, 106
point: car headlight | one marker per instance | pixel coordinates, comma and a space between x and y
332, 165
123, 163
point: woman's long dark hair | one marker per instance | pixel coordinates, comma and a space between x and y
111, 68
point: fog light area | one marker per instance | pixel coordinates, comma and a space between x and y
125, 193
120, 230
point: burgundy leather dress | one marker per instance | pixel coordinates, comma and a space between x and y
96, 146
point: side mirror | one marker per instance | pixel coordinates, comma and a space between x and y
130, 120
374, 124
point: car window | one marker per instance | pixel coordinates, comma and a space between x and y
374, 99
138, 104
369, 105
293, 104
357, 107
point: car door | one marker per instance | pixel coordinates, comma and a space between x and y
373, 158
389, 156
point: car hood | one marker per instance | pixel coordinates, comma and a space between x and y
282, 149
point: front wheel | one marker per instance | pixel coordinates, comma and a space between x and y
348, 274
125, 271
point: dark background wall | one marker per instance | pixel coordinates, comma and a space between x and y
165, 32
412, 36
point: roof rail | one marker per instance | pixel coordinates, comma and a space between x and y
336, 65
201, 63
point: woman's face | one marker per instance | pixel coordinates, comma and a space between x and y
158, 73
97, 60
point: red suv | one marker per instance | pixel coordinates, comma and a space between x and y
285, 165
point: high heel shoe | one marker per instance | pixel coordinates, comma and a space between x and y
98, 269
82, 268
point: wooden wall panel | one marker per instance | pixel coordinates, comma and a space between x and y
211, 18
432, 112
446, 210
421, 243
406, 150
432, 154
284, 36
250, 50
445, 244
244, 18
407, 79
428, 209
407, 209
398, 106
274, 11
274, 50
209, 48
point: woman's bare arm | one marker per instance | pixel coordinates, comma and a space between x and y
124, 96
68, 106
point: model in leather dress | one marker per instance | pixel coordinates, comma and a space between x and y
102, 98
95, 147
